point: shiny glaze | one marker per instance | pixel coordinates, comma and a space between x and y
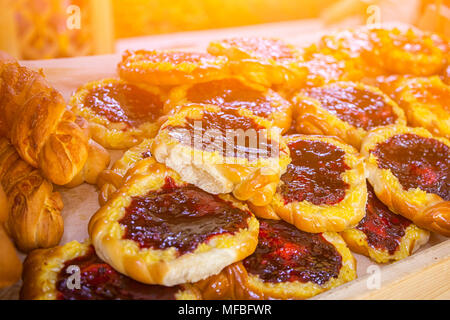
432, 96
126, 103
99, 281
383, 228
262, 47
173, 57
314, 174
286, 254
180, 217
360, 108
417, 162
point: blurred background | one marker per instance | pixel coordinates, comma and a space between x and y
44, 29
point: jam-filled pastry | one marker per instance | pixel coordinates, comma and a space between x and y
287, 264
265, 61
49, 275
120, 114
426, 102
234, 93
347, 110
223, 151
323, 189
383, 235
112, 179
158, 229
409, 171
170, 67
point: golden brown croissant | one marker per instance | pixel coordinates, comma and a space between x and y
34, 211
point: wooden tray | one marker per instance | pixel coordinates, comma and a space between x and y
425, 275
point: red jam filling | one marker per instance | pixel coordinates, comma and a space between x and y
383, 228
286, 254
417, 162
180, 217
264, 48
230, 93
99, 281
314, 174
228, 132
124, 103
360, 108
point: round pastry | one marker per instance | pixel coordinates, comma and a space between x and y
261, 60
223, 151
120, 114
49, 275
233, 93
409, 171
287, 264
347, 110
159, 230
426, 102
323, 189
383, 235
112, 179
171, 68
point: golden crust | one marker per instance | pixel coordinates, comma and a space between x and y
264, 61
254, 180
312, 118
280, 113
234, 282
426, 104
320, 218
426, 210
41, 269
114, 134
170, 67
155, 266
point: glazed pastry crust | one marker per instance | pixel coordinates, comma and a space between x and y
148, 67
248, 58
234, 282
433, 116
252, 180
321, 218
109, 134
413, 239
426, 210
281, 116
312, 118
41, 269
155, 266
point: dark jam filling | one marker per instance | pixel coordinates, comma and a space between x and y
124, 103
360, 108
286, 254
417, 162
99, 281
314, 174
230, 93
180, 217
383, 228
229, 133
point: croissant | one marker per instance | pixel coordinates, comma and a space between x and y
34, 117
33, 217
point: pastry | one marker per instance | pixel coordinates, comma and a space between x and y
34, 210
287, 264
120, 114
426, 102
49, 275
223, 151
408, 169
323, 189
203, 233
264, 61
347, 110
233, 93
171, 68
383, 235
